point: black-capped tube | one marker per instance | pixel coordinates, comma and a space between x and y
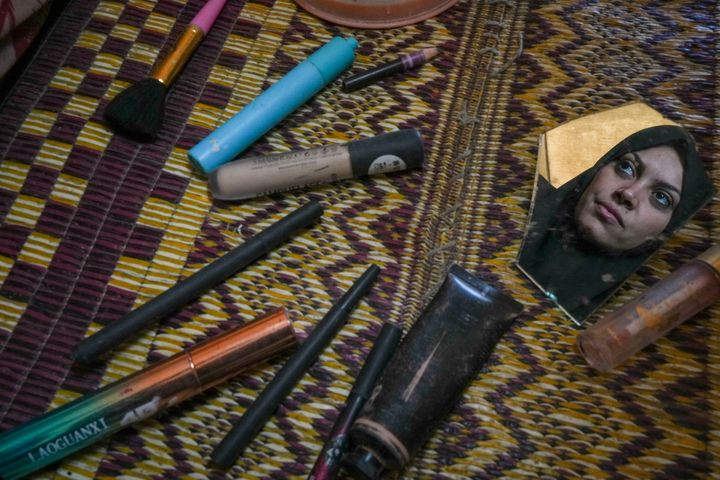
441, 354
255, 176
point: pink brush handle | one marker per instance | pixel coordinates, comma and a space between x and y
206, 16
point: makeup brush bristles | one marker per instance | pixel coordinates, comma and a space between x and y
137, 112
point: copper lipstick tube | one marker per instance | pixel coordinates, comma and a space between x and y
215, 360
82, 422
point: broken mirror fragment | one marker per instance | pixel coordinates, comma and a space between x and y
610, 188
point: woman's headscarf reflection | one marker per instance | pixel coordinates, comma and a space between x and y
585, 237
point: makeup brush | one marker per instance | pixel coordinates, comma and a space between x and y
137, 112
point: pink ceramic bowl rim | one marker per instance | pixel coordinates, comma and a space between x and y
375, 13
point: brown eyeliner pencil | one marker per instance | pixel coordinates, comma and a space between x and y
402, 64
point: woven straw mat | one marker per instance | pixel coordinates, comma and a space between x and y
94, 225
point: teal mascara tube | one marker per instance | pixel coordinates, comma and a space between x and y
274, 104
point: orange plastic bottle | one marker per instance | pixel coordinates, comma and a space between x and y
647, 317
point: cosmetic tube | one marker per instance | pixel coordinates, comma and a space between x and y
328, 462
255, 176
440, 355
664, 306
274, 104
94, 416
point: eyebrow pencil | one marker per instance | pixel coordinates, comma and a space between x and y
167, 302
267, 402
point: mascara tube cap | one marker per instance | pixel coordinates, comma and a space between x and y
389, 152
334, 57
363, 464
384, 347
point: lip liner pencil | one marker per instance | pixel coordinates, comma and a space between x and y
402, 64
328, 462
280, 386
170, 300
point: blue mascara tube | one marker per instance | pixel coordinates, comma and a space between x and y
274, 104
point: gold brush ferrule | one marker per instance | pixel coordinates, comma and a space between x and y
166, 71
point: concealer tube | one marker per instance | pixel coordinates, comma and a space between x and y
443, 351
82, 422
255, 176
664, 306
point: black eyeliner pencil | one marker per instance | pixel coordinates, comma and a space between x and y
172, 299
328, 462
280, 386
402, 64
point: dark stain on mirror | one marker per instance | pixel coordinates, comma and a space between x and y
610, 189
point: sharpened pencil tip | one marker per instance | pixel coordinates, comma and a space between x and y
430, 53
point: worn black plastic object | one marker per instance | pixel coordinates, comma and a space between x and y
441, 354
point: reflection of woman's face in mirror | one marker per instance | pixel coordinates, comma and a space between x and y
631, 199
608, 192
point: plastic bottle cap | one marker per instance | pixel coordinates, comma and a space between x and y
334, 57
362, 464
379, 154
